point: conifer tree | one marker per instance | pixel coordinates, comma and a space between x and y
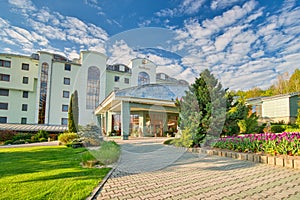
71, 122
203, 108
75, 108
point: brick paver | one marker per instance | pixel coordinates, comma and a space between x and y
153, 171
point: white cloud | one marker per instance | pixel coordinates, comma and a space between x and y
221, 4
186, 7
223, 40
23, 4
49, 25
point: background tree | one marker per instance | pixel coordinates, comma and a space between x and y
71, 123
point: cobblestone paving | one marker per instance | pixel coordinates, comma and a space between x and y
186, 175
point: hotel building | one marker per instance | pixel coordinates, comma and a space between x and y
123, 99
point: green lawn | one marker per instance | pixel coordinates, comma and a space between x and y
46, 173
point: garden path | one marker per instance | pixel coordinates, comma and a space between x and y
150, 170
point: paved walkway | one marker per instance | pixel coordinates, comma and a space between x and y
149, 170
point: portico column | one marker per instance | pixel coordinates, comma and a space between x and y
125, 119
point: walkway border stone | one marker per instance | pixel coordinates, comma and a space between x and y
281, 161
98, 189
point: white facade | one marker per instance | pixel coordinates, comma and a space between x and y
276, 108
50, 80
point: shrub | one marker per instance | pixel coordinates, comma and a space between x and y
277, 128
185, 140
108, 152
168, 142
40, 134
7, 135
43, 140
8, 142
22, 136
67, 137
19, 142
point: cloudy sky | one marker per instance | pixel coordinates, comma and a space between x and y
245, 43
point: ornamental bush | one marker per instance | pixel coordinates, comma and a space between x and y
277, 128
66, 138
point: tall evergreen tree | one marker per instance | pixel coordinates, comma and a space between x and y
203, 108
71, 123
75, 108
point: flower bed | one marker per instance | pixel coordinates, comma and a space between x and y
267, 143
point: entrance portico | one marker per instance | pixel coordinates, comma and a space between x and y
147, 110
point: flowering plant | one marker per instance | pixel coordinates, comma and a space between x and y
268, 143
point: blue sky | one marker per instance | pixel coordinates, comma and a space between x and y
245, 43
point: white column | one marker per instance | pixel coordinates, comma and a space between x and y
125, 119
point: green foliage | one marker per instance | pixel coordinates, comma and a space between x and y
66, 138
248, 124
46, 173
185, 140
72, 126
298, 118
284, 85
75, 108
108, 153
40, 134
236, 110
168, 142
202, 109
22, 136
277, 128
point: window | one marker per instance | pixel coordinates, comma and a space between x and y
4, 92
64, 121
93, 87
3, 120
67, 67
24, 107
67, 81
4, 77
121, 68
65, 108
143, 78
66, 94
126, 80
5, 63
3, 106
25, 66
117, 78
43, 92
25, 80
23, 120
25, 94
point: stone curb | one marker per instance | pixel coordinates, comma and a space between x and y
282, 161
94, 194
98, 189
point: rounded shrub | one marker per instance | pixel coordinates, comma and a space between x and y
277, 128
66, 138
